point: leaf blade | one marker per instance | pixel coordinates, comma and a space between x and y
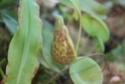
89, 6
95, 27
86, 71
22, 55
9, 21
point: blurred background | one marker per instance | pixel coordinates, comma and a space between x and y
114, 72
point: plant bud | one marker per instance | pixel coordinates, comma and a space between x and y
62, 48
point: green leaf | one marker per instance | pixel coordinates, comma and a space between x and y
86, 71
23, 50
9, 21
89, 6
7, 3
95, 27
76, 4
99, 44
45, 56
93, 8
76, 15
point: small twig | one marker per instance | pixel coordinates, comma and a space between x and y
58, 74
68, 66
90, 55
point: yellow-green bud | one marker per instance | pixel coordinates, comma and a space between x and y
62, 48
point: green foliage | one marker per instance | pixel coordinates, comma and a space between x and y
89, 6
23, 50
99, 44
1, 71
93, 8
92, 22
117, 53
10, 22
86, 71
7, 15
7, 3
96, 28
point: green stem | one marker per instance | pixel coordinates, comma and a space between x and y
79, 36
77, 8
58, 74
1, 72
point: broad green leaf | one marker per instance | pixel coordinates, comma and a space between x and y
93, 8
95, 27
86, 71
89, 6
9, 21
25, 45
45, 56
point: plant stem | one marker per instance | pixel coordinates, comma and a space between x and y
1, 71
58, 74
79, 36
77, 8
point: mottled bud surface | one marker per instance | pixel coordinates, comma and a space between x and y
62, 49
